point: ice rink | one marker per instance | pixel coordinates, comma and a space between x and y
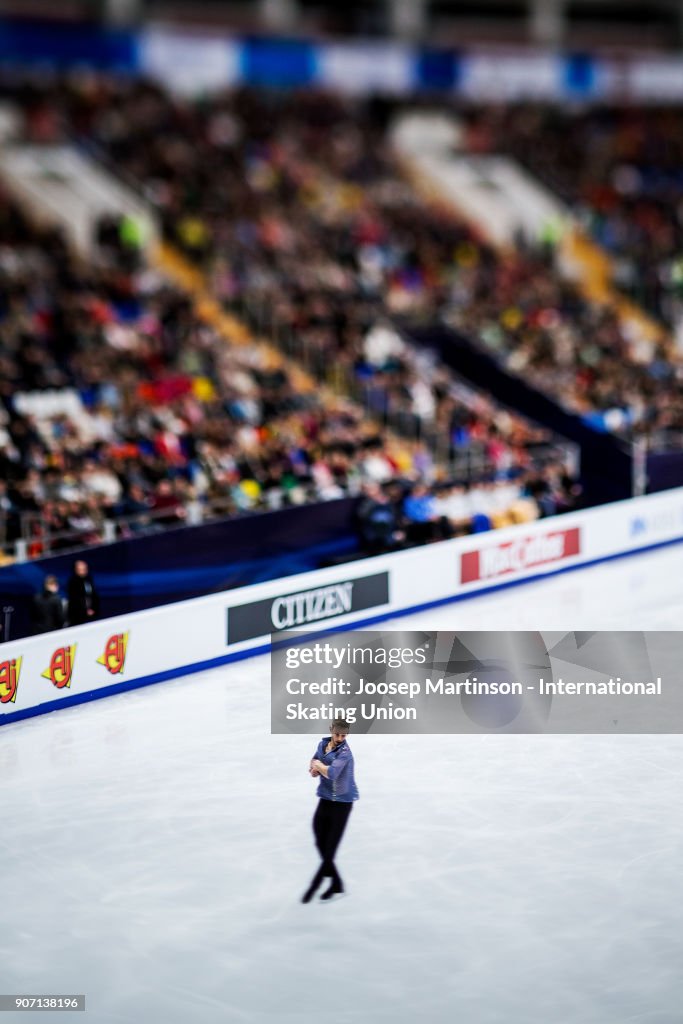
155, 846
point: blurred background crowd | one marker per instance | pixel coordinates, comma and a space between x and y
122, 407
124, 411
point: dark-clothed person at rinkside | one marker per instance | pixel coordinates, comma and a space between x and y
333, 763
84, 602
48, 611
378, 525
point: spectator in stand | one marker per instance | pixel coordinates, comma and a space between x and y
167, 507
452, 503
83, 599
48, 611
134, 509
379, 529
423, 522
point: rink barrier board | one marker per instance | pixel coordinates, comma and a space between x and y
205, 666
139, 649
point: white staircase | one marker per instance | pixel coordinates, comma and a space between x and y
62, 186
494, 193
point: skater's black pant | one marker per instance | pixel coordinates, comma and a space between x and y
329, 822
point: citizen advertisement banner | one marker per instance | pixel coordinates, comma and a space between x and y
307, 607
478, 682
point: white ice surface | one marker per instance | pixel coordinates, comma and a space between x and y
155, 846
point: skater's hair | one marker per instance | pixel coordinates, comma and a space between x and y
339, 725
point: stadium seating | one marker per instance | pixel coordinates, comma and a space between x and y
127, 409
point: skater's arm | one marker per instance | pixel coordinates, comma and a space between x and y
334, 770
341, 761
312, 770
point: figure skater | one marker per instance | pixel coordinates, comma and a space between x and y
333, 763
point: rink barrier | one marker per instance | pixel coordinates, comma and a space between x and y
78, 664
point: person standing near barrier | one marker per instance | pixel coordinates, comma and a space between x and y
48, 607
333, 764
84, 602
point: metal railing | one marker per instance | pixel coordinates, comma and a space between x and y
466, 463
37, 539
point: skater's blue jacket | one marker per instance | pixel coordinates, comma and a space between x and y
340, 784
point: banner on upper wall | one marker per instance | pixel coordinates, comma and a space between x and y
196, 60
189, 62
80, 663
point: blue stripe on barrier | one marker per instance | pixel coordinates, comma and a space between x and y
252, 652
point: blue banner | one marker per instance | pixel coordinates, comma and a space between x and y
58, 45
278, 63
208, 60
437, 70
579, 75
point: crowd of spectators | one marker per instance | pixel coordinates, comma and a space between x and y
120, 402
620, 169
294, 203
120, 406
399, 513
244, 191
117, 401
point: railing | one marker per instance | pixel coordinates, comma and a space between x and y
664, 441
6, 622
37, 539
156, 567
463, 463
